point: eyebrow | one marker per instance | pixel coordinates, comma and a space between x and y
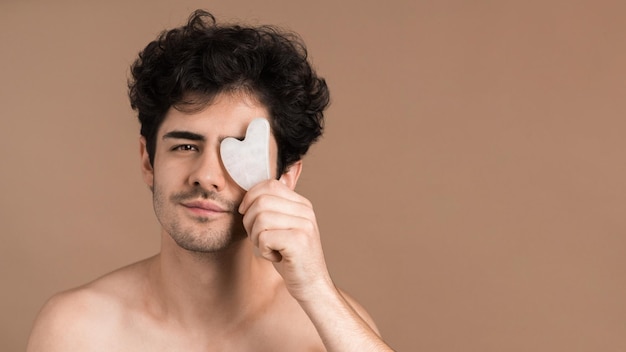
194, 136
184, 135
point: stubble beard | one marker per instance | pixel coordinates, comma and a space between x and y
198, 234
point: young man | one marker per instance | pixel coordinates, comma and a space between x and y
238, 270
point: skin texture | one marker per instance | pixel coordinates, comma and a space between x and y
237, 271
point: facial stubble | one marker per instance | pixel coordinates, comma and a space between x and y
196, 233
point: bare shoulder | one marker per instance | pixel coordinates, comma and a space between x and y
81, 319
69, 320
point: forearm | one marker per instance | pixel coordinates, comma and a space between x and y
282, 225
340, 326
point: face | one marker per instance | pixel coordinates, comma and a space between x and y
194, 198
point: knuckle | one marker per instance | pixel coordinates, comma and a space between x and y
263, 238
263, 201
311, 214
309, 226
262, 219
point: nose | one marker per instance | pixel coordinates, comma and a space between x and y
208, 171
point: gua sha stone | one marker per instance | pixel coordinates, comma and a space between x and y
247, 161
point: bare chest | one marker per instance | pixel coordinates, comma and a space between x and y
275, 334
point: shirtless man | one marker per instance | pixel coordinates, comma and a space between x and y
237, 270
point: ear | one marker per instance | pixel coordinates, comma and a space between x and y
146, 168
290, 177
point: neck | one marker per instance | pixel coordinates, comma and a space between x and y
205, 290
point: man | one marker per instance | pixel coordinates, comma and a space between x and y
238, 270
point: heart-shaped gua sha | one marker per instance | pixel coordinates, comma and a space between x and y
248, 161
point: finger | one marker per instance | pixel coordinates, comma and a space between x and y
269, 221
273, 187
276, 245
269, 254
271, 203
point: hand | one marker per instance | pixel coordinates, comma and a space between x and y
282, 225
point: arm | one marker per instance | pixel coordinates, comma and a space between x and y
343, 324
282, 224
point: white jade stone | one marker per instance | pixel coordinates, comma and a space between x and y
248, 161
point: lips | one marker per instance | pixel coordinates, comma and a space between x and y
204, 207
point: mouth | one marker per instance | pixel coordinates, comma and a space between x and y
205, 208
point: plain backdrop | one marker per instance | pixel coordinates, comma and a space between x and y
470, 187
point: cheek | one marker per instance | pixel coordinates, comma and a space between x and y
158, 200
165, 173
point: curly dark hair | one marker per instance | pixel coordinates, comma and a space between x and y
187, 67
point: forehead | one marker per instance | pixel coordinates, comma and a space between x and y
226, 115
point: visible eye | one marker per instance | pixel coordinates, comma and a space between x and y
185, 147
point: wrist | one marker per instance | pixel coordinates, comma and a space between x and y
321, 292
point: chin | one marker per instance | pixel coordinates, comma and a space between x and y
209, 243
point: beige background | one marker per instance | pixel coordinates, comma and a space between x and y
471, 186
